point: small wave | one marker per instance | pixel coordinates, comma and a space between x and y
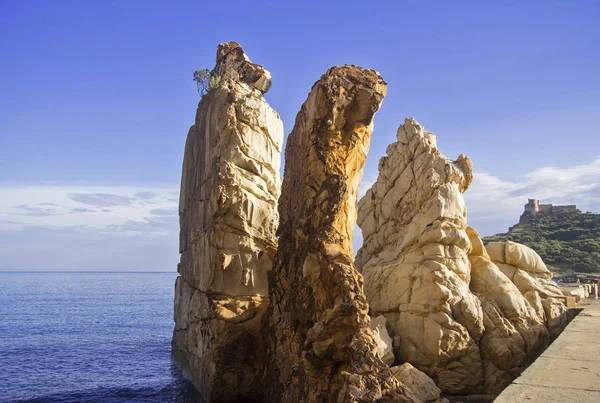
179, 391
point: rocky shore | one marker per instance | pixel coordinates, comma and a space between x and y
270, 305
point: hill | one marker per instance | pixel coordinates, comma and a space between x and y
566, 238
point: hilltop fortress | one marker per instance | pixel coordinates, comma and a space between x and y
533, 208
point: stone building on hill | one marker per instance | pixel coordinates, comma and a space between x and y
533, 208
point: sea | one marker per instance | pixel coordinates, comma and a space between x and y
88, 337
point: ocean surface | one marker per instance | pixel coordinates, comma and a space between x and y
88, 337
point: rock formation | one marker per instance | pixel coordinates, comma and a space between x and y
228, 218
384, 342
269, 306
321, 345
524, 267
514, 333
415, 259
452, 312
419, 387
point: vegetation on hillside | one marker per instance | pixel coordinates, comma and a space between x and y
567, 241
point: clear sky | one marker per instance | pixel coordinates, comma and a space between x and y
96, 98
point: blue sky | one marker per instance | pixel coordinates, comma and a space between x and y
96, 98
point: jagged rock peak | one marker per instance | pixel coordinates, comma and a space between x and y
413, 172
234, 64
452, 312
415, 259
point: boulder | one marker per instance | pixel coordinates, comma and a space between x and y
384, 342
419, 387
588, 290
228, 217
576, 291
557, 315
514, 333
524, 267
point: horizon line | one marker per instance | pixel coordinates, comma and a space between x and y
82, 271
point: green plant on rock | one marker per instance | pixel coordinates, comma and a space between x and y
206, 81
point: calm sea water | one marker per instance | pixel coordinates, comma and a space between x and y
88, 337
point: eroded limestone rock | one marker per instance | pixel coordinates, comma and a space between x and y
415, 259
228, 217
452, 312
321, 344
514, 333
419, 387
526, 269
384, 342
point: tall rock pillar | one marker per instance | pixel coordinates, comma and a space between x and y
228, 217
321, 347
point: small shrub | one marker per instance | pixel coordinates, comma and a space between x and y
206, 81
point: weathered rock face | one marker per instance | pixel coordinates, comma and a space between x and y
419, 387
261, 322
228, 217
525, 268
415, 259
452, 312
321, 346
514, 334
384, 342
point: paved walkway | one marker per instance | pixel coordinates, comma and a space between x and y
568, 371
